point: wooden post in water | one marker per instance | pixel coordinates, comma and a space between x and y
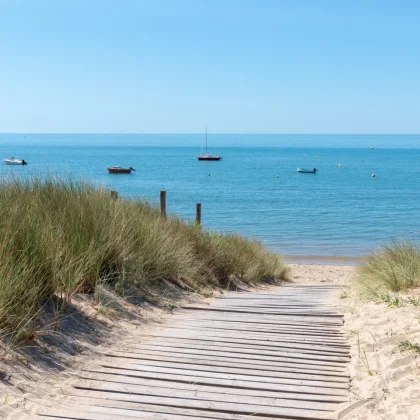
198, 213
114, 195
163, 203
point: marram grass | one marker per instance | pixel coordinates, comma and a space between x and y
395, 267
63, 237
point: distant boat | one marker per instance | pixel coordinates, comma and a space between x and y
119, 170
307, 171
207, 156
13, 161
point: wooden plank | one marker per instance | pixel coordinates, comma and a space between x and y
315, 306
82, 413
255, 338
271, 327
187, 413
260, 332
238, 347
263, 319
201, 393
317, 395
239, 340
271, 354
120, 377
244, 364
208, 378
210, 406
255, 326
90, 412
315, 315
279, 364
246, 350
265, 375
316, 364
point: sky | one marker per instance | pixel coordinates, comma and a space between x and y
240, 66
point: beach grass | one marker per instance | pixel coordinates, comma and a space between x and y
63, 237
395, 267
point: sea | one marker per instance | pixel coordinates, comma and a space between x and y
342, 211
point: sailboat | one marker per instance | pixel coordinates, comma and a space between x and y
207, 156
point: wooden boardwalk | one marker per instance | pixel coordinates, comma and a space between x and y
276, 354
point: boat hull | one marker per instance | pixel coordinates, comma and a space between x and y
119, 170
209, 158
307, 171
14, 162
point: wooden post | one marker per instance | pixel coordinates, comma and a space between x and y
163, 203
114, 195
198, 213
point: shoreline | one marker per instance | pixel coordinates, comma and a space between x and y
322, 260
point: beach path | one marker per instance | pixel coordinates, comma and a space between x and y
275, 353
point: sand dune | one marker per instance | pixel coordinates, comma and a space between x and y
385, 373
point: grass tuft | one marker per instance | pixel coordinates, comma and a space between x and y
394, 268
409, 346
65, 237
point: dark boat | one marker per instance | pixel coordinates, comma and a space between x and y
307, 171
208, 156
119, 170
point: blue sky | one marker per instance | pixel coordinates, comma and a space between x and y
241, 66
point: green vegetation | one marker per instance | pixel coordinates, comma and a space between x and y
64, 237
391, 301
398, 301
394, 268
409, 346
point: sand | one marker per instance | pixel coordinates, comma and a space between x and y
385, 378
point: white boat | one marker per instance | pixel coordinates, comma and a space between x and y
307, 171
13, 161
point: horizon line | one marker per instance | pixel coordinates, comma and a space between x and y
230, 133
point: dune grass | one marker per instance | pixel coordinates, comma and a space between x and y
64, 237
395, 268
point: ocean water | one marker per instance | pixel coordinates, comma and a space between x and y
255, 191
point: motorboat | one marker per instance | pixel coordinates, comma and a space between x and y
13, 161
207, 156
120, 170
307, 171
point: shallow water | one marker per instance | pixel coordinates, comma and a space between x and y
255, 191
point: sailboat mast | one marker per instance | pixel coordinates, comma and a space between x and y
206, 141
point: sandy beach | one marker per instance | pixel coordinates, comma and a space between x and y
385, 376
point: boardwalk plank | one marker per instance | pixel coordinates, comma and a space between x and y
209, 378
237, 349
201, 393
252, 341
118, 377
210, 406
259, 329
179, 368
273, 354
187, 413
184, 352
244, 364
